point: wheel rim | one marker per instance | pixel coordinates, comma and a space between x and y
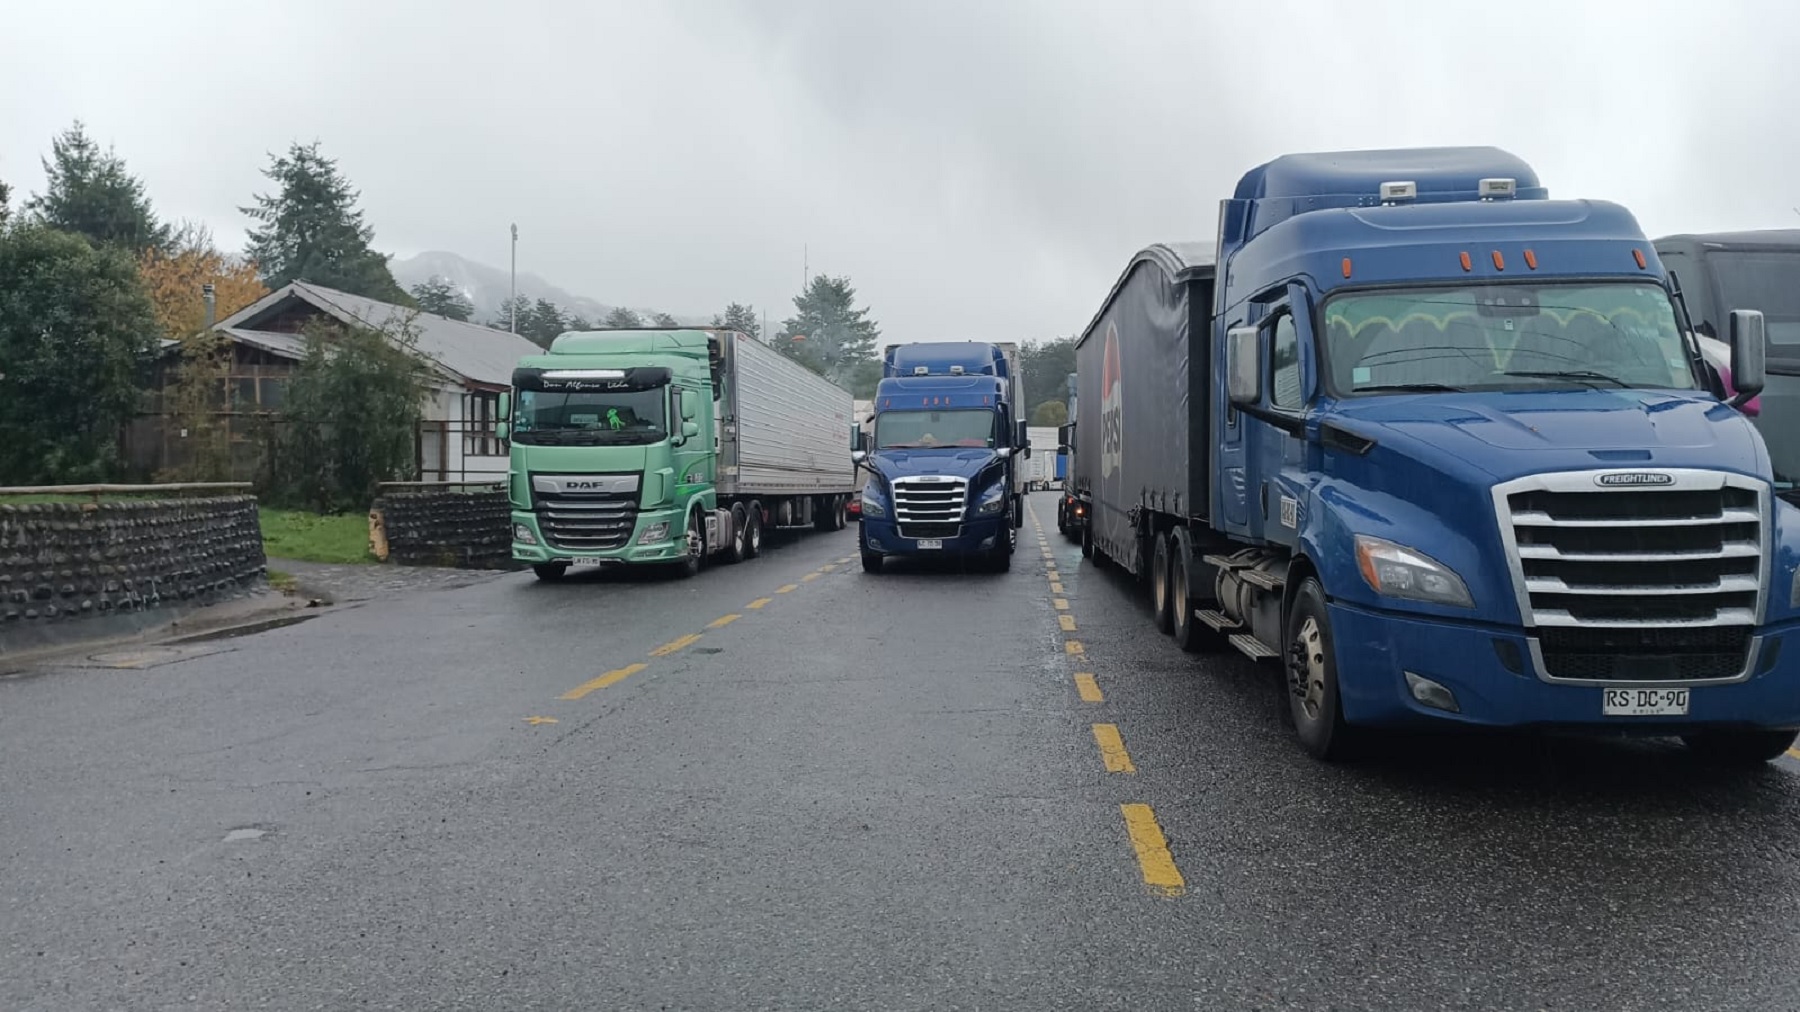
695, 541
755, 533
1178, 606
1306, 668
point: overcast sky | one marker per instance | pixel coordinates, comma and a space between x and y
979, 168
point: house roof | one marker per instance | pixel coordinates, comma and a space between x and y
467, 352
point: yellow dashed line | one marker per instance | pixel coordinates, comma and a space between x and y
1112, 749
611, 677
1793, 753
808, 578
722, 621
757, 604
676, 644
789, 589
1074, 648
1067, 622
1055, 588
1060, 604
1154, 859
828, 567
846, 560
1088, 689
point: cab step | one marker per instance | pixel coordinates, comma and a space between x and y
1251, 647
1262, 578
1218, 621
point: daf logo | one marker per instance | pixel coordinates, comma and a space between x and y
586, 484
1634, 479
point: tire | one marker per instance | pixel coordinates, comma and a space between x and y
1000, 558
1739, 748
1310, 680
838, 513
550, 572
1087, 542
1162, 585
1190, 635
753, 531
739, 517
871, 561
689, 567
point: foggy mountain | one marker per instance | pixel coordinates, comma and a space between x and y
486, 287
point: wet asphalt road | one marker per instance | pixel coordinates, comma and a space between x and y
791, 785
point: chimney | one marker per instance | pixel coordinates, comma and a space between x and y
206, 292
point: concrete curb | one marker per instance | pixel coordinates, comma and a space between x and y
257, 612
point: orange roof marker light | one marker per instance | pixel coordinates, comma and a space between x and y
1499, 261
1346, 267
1531, 260
1468, 265
1638, 255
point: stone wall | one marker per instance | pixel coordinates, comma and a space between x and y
68, 563
465, 530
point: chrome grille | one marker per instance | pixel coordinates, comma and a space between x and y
1638, 575
930, 506
585, 520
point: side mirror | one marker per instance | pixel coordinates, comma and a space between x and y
856, 437
690, 429
1004, 452
502, 431
1749, 355
1023, 438
858, 456
1243, 365
501, 428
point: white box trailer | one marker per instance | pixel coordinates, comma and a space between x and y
782, 428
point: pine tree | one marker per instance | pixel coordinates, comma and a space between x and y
311, 230
89, 192
505, 316
5, 205
544, 323
665, 321
437, 295
738, 316
623, 319
828, 334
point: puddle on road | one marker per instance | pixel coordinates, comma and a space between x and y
147, 657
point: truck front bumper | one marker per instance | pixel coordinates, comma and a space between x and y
1376, 651
882, 536
658, 536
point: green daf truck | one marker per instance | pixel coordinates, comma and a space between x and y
655, 447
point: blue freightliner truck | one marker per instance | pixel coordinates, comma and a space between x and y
1445, 450
944, 455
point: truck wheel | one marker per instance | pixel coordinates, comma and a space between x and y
1087, 542
550, 572
1739, 748
871, 560
753, 530
740, 534
1309, 664
690, 564
1189, 634
838, 521
1162, 585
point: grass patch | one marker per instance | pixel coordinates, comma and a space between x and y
282, 581
308, 537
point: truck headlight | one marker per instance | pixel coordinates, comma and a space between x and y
871, 506
522, 534
1398, 571
654, 533
992, 501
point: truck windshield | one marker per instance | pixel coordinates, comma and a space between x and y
1768, 280
1514, 336
589, 417
917, 430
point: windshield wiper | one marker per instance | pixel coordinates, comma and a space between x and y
1588, 376
1412, 387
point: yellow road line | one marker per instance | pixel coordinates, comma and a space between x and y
1793, 753
1061, 604
846, 560
611, 677
1074, 648
1154, 859
1067, 622
757, 604
1112, 749
789, 589
1055, 588
676, 644
808, 578
722, 621
1087, 688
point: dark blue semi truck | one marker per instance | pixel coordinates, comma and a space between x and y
1444, 450
944, 455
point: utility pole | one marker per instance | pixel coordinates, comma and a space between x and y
512, 293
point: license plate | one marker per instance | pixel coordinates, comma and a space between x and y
587, 562
1646, 702
926, 544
